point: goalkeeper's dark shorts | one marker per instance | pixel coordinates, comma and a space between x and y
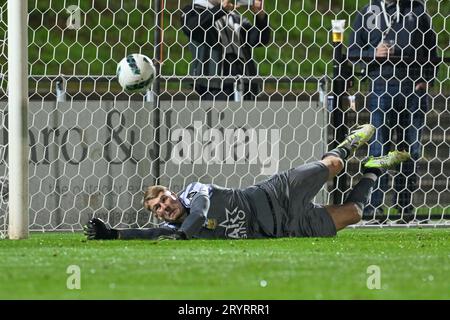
291, 194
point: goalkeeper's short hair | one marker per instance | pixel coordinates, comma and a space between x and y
153, 192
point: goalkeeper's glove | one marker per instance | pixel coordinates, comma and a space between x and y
96, 229
177, 235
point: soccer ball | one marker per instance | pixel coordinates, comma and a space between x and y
136, 73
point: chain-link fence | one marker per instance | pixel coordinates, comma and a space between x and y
286, 82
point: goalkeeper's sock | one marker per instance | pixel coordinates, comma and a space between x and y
376, 171
339, 152
360, 194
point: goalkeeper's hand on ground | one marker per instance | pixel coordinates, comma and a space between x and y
96, 229
177, 235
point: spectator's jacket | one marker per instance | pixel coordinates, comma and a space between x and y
414, 39
211, 48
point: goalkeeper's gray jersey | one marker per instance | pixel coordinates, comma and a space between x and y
232, 213
278, 207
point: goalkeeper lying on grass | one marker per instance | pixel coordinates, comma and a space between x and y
278, 207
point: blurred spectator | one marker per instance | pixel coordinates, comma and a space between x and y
221, 41
396, 41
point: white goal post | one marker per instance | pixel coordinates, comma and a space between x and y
73, 145
18, 118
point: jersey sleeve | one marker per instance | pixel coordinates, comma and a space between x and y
187, 195
196, 199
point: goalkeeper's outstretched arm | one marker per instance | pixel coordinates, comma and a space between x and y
96, 229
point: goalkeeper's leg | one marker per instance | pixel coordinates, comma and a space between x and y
334, 159
351, 211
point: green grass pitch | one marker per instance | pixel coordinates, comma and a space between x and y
414, 264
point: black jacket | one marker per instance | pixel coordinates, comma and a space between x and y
199, 25
414, 39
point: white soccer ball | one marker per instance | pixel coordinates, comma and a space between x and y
136, 73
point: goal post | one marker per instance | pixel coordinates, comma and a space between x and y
18, 119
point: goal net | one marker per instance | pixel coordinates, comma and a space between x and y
95, 148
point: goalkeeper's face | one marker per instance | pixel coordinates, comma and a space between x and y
166, 206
